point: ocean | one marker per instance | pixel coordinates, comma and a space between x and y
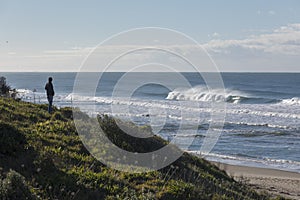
262, 123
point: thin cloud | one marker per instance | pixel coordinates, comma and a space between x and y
214, 35
271, 12
284, 40
73, 50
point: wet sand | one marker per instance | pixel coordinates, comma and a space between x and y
275, 182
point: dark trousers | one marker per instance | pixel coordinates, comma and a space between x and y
50, 100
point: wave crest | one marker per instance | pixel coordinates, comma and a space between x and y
200, 93
292, 101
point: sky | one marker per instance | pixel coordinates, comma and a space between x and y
240, 36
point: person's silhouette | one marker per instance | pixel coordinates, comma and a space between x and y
50, 93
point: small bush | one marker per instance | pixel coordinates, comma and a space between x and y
14, 186
116, 130
4, 88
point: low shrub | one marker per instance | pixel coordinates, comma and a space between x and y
15, 187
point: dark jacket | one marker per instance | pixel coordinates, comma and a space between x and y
49, 89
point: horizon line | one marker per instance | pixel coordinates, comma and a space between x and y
149, 72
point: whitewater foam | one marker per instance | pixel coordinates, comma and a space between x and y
292, 101
245, 160
200, 93
24, 91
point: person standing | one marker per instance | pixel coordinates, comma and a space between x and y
50, 93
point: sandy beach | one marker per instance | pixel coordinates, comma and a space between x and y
275, 182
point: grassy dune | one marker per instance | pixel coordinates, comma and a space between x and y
42, 157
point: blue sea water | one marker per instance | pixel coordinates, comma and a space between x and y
262, 124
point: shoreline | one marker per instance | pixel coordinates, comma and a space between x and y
274, 181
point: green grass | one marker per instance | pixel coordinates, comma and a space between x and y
42, 157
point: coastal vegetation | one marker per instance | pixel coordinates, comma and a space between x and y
42, 157
4, 87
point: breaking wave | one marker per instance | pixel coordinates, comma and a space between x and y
292, 101
200, 93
